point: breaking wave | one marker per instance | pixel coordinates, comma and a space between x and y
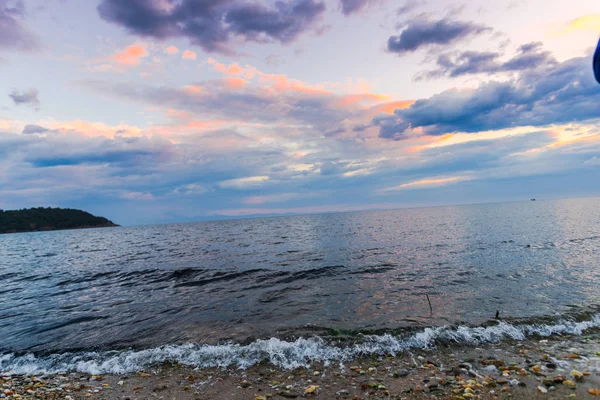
281, 353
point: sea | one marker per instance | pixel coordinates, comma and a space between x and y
326, 287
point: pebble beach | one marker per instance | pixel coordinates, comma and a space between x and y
551, 368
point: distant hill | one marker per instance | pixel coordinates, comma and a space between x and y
49, 219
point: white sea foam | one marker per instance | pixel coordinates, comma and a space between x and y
284, 354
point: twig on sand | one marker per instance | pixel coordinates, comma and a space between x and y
430, 308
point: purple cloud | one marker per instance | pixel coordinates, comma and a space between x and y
32, 128
529, 56
562, 93
13, 34
423, 33
211, 24
26, 97
253, 104
284, 22
353, 6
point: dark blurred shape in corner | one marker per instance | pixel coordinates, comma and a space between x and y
597, 63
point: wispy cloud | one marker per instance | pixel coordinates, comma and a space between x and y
137, 196
589, 23
530, 56
273, 198
428, 183
14, 34
244, 183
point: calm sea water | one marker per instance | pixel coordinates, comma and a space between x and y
209, 282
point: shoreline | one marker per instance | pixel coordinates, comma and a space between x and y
62, 229
552, 367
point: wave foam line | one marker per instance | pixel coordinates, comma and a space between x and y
283, 354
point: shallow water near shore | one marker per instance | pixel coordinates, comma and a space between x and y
211, 292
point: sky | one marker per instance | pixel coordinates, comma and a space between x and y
155, 111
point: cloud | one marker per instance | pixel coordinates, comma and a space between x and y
247, 95
273, 198
354, 6
94, 129
212, 24
283, 23
13, 34
27, 97
529, 56
30, 129
594, 161
244, 183
171, 50
428, 183
561, 93
188, 55
409, 6
424, 33
585, 23
138, 196
131, 55
190, 189
121, 156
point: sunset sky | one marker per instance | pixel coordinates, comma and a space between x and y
151, 111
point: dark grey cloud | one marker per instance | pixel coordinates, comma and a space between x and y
30, 129
212, 23
529, 56
284, 22
422, 33
561, 93
392, 127
27, 97
13, 33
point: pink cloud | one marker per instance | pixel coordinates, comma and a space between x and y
92, 129
188, 55
131, 55
235, 83
358, 92
429, 182
193, 89
171, 50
